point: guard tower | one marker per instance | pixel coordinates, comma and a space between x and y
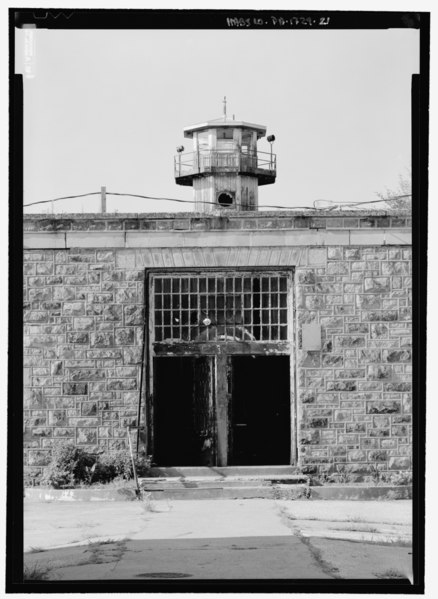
225, 167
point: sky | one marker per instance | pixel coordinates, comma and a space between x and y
108, 108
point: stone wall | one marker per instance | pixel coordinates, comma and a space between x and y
82, 358
84, 314
355, 395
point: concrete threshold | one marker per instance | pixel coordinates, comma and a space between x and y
218, 490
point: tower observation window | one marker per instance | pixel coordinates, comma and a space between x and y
220, 307
225, 199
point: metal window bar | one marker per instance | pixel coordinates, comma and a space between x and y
244, 306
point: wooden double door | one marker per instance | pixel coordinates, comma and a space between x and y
219, 410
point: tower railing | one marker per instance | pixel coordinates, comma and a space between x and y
204, 161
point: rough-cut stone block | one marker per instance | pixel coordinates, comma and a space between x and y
134, 315
357, 327
332, 360
64, 432
370, 301
342, 415
402, 419
355, 427
40, 295
117, 445
87, 374
88, 408
101, 354
395, 268
356, 455
101, 339
318, 422
113, 275
51, 306
353, 254
400, 431
383, 407
334, 253
384, 315
36, 281
315, 302
40, 341
112, 312
105, 256
84, 324
124, 336
341, 386
405, 314
310, 359
64, 293
397, 387
338, 268
56, 368
42, 432
121, 384
86, 435
399, 463
306, 277
38, 457
78, 338
310, 438
379, 372
35, 316
377, 456
349, 341
104, 432
376, 284
379, 331
124, 296
307, 397
94, 309
57, 417
126, 371
73, 308
74, 388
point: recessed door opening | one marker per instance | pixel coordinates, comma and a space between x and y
184, 420
220, 382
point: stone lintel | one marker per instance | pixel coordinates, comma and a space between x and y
226, 239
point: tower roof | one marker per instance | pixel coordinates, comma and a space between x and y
221, 123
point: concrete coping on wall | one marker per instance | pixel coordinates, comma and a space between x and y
219, 220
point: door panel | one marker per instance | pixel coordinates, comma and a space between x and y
184, 411
260, 410
203, 410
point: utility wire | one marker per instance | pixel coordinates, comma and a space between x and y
134, 195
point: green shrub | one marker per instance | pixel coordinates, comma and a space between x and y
70, 465
113, 465
118, 464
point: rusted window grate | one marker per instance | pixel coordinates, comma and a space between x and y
220, 307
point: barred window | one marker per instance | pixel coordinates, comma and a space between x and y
220, 307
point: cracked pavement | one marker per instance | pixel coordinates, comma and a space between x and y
219, 539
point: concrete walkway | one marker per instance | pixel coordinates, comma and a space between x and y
218, 539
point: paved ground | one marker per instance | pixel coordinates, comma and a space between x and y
218, 539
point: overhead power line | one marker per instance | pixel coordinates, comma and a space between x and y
134, 195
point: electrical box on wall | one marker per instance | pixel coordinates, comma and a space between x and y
311, 337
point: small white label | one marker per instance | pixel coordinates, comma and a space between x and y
29, 54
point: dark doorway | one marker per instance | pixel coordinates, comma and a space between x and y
260, 410
184, 419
